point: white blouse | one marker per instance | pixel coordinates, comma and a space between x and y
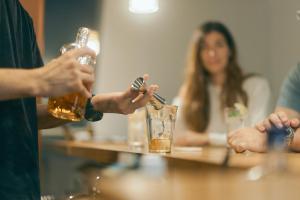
259, 106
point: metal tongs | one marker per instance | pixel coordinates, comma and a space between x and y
140, 85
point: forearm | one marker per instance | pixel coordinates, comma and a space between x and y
17, 83
106, 103
45, 120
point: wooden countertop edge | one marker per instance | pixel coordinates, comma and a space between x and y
98, 150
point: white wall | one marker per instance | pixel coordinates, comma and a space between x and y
157, 43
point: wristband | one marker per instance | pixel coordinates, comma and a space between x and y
90, 113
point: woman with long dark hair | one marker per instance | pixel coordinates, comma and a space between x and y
214, 81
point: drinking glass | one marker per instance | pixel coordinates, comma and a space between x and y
160, 127
234, 119
137, 128
275, 162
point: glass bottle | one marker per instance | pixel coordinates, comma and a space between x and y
72, 106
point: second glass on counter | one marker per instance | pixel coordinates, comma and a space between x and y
137, 129
235, 117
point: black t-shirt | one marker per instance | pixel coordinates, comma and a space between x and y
19, 169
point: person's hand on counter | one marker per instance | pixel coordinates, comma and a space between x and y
283, 117
249, 139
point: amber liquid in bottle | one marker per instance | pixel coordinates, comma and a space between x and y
70, 107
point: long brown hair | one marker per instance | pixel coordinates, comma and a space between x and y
196, 102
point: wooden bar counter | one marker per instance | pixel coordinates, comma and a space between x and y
189, 174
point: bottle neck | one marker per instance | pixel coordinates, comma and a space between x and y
82, 37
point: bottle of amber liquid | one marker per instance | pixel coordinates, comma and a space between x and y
72, 106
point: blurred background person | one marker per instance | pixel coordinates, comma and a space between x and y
214, 81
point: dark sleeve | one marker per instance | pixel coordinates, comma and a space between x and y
290, 91
1, 11
36, 54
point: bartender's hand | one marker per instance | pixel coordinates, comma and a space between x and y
122, 102
248, 139
65, 75
279, 119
